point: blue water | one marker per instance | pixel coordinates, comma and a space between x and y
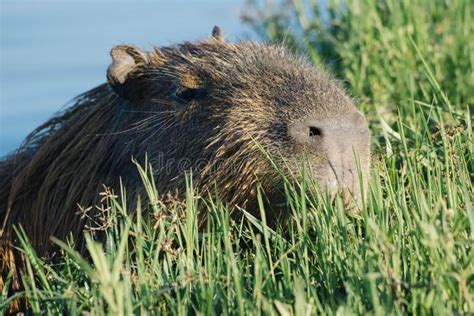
52, 51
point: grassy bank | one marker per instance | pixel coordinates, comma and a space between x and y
410, 65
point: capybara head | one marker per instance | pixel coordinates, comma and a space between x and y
215, 101
211, 108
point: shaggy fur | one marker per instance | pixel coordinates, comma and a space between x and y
188, 107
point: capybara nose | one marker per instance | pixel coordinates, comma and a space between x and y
335, 145
345, 132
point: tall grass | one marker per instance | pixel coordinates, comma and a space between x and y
410, 250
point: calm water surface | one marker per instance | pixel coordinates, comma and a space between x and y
52, 51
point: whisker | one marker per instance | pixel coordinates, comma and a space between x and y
164, 125
152, 112
141, 125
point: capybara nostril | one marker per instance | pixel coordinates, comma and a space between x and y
306, 132
315, 131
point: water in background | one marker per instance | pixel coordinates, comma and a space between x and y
51, 51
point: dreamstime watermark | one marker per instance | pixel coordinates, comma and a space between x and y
164, 166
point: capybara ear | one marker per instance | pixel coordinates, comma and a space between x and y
124, 72
217, 33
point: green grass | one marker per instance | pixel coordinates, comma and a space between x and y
410, 250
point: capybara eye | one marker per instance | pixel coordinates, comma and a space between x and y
185, 95
315, 131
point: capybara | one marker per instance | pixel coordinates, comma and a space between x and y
208, 108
